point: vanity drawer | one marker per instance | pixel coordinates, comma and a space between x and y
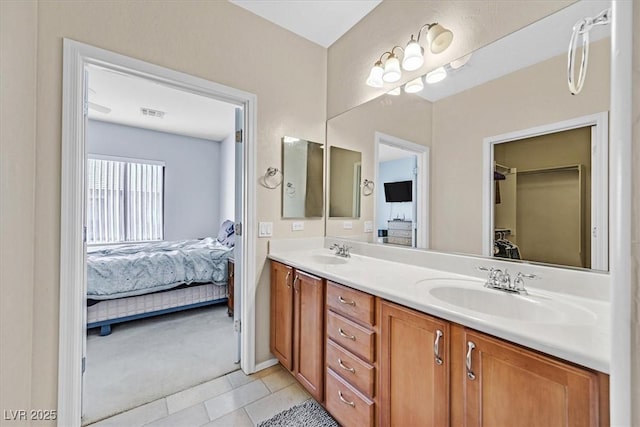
400, 233
399, 240
347, 405
351, 336
352, 303
358, 373
399, 225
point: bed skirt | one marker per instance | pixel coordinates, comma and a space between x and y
105, 313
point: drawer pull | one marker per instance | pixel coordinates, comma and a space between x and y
346, 368
297, 278
286, 279
345, 401
343, 335
470, 373
344, 301
436, 347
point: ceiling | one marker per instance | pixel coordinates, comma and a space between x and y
321, 21
186, 113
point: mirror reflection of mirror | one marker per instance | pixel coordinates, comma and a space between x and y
518, 82
303, 176
345, 176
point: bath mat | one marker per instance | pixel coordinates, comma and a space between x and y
308, 414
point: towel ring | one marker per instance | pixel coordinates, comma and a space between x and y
367, 187
272, 178
581, 30
290, 189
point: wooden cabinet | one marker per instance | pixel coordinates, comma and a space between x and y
351, 356
309, 332
281, 340
505, 384
297, 325
414, 368
231, 270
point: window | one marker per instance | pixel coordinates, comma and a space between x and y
124, 200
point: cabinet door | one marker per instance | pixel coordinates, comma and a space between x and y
414, 378
506, 385
281, 340
309, 332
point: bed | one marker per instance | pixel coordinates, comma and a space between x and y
129, 282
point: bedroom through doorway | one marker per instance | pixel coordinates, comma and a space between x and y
163, 193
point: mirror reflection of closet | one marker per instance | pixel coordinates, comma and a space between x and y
542, 195
345, 175
303, 176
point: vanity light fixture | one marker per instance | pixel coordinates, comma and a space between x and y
436, 75
388, 70
414, 85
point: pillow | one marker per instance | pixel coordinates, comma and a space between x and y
230, 241
226, 230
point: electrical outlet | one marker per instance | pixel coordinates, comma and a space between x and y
297, 226
347, 225
368, 226
265, 229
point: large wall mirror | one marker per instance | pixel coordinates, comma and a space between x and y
302, 179
511, 87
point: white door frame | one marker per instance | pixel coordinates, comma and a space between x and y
599, 124
72, 252
422, 219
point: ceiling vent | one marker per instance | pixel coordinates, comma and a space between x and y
152, 113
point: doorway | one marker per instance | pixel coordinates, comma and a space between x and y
77, 57
401, 214
160, 241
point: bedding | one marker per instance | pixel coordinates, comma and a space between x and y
129, 270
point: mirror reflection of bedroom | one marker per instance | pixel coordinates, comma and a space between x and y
160, 240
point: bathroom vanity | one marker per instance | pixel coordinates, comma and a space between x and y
386, 352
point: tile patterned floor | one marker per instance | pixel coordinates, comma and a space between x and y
235, 399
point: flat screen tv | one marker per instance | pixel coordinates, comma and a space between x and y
398, 191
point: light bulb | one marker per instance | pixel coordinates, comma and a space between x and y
414, 85
375, 76
436, 75
392, 71
439, 38
413, 55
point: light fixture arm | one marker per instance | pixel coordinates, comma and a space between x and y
427, 26
390, 52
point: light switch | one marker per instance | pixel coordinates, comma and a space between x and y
297, 226
368, 226
347, 225
265, 229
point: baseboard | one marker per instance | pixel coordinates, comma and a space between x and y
266, 364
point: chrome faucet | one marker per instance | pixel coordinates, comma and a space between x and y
501, 280
341, 250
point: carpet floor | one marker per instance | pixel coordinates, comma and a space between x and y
307, 414
147, 359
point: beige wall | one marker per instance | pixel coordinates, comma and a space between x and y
474, 24
635, 220
18, 32
213, 40
406, 117
534, 96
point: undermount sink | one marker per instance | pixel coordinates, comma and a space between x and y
509, 306
328, 259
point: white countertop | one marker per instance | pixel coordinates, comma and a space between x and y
578, 330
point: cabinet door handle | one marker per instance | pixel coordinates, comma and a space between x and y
470, 347
286, 280
343, 335
344, 301
346, 368
231, 274
345, 401
436, 347
295, 281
